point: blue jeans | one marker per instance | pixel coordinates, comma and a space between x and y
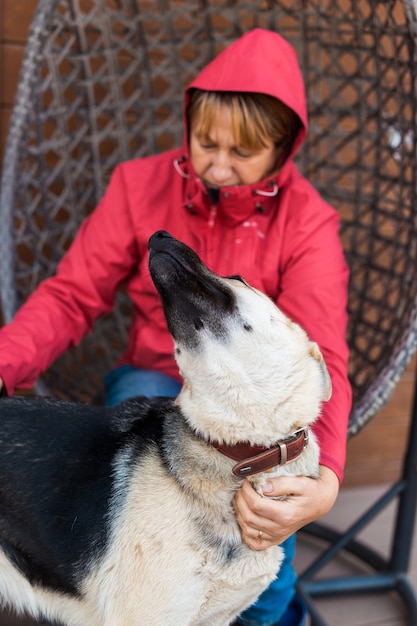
125, 382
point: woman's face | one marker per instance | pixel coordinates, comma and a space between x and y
219, 162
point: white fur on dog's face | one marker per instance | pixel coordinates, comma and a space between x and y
264, 368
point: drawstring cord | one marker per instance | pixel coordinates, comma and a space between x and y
268, 194
177, 164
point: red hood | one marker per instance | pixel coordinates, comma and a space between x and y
261, 61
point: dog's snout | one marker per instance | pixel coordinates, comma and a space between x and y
158, 238
194, 299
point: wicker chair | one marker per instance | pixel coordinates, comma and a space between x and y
102, 81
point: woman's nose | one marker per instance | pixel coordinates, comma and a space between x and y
221, 168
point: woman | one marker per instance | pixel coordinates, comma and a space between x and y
233, 193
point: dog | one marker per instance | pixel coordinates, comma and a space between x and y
124, 516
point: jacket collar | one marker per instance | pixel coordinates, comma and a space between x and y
235, 203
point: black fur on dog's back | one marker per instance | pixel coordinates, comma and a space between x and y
50, 530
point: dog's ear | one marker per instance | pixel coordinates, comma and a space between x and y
327, 383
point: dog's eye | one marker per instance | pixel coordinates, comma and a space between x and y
198, 324
237, 277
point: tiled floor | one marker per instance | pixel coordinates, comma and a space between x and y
370, 609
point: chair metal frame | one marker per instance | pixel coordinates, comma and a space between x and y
386, 573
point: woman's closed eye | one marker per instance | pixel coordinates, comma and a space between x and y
243, 153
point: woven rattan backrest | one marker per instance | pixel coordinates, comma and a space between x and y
102, 81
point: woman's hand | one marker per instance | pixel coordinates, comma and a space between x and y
265, 522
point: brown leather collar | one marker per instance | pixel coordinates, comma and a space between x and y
255, 459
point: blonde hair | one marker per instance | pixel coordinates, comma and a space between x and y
256, 118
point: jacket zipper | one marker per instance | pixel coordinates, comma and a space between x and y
211, 224
212, 215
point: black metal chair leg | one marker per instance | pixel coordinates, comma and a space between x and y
387, 574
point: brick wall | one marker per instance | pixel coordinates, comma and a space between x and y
375, 455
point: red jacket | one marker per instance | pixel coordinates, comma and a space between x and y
285, 243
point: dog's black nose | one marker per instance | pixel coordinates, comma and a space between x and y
157, 237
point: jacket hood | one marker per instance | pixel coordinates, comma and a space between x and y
261, 61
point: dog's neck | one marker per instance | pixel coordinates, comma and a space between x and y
256, 459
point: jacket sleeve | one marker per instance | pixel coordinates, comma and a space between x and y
314, 279
63, 308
